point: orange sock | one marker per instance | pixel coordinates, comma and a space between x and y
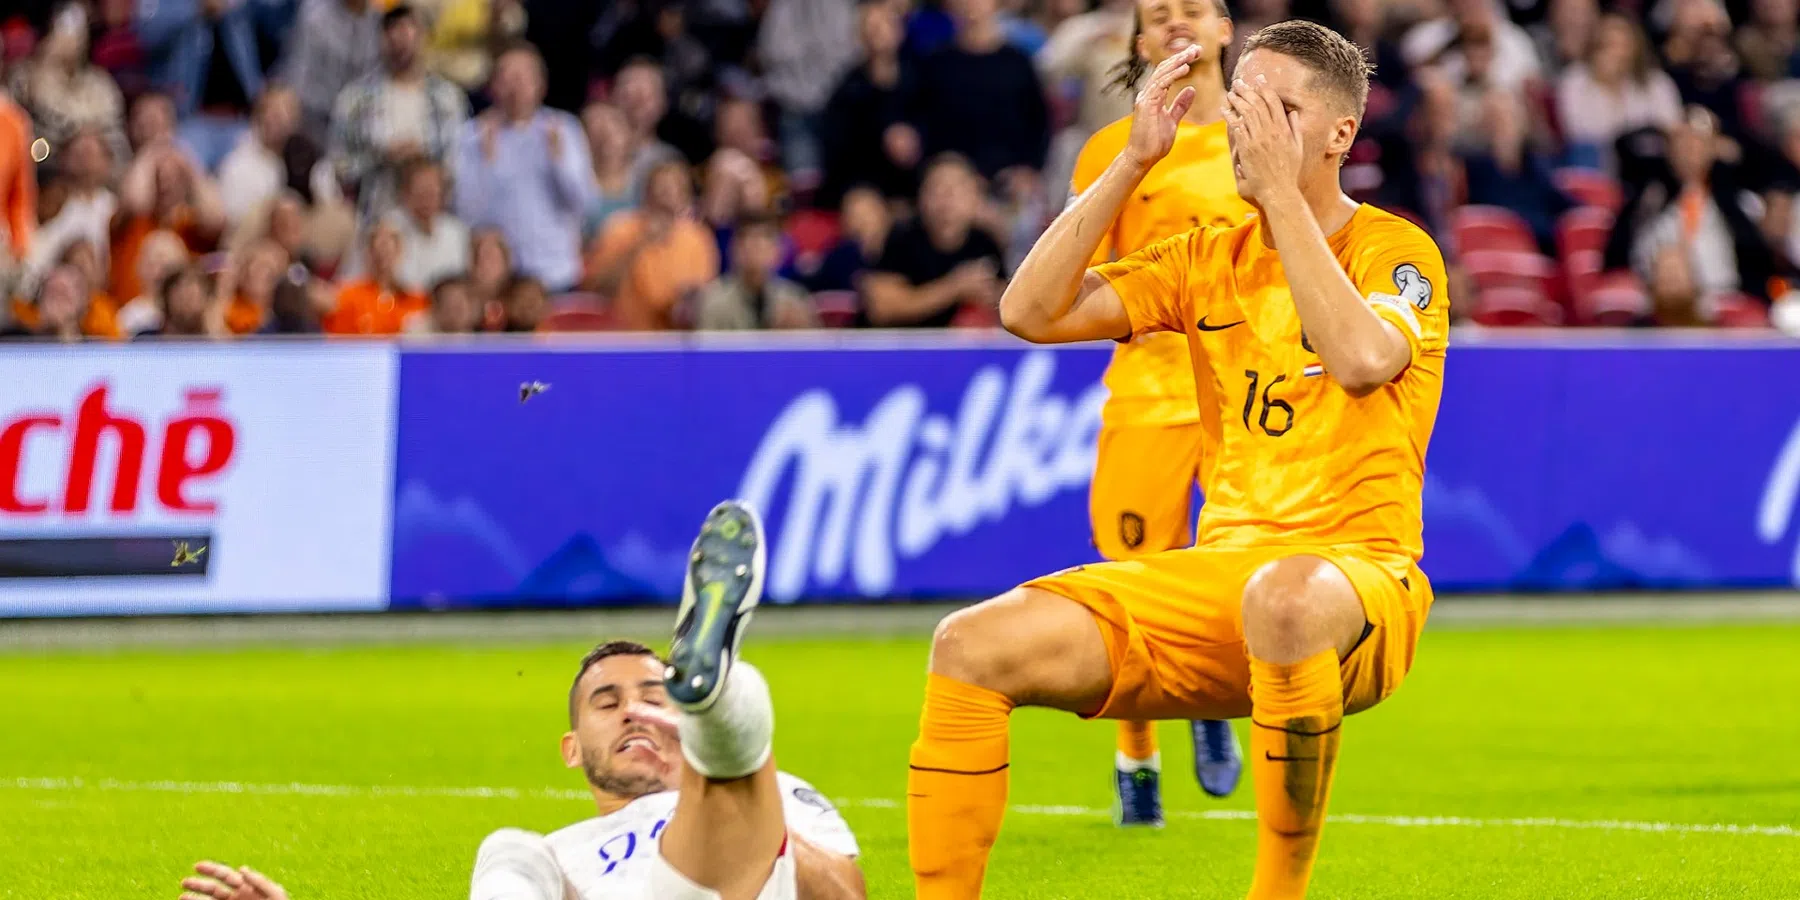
1295, 711
956, 787
1137, 740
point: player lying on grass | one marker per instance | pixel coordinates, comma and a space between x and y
679, 759
724, 826
1302, 600
1153, 446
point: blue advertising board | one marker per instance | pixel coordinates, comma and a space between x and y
922, 467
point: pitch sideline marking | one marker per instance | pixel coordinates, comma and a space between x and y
506, 793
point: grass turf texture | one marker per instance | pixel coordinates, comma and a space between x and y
1679, 725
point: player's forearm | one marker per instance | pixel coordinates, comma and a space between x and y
822, 875
1044, 292
1356, 347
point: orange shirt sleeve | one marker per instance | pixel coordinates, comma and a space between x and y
1152, 283
21, 184
618, 233
1404, 280
1095, 156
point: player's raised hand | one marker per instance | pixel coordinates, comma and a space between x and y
1156, 115
222, 882
1265, 140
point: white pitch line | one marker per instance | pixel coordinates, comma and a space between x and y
508, 793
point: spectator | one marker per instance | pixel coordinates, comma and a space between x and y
863, 131
1705, 70
152, 123
64, 93
1508, 173
648, 259
616, 183
736, 178
526, 305
204, 54
76, 204
162, 254
643, 98
526, 170
433, 244
866, 224
1614, 91
1768, 43
453, 310
805, 47
1686, 233
658, 32
387, 118
1253, 16
1079, 62
1567, 34
254, 172
18, 188
751, 295
377, 303
932, 266
296, 306
184, 307
162, 190
56, 314
101, 320
245, 290
1513, 58
490, 271
464, 34
980, 97
335, 42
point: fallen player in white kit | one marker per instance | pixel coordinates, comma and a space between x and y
723, 826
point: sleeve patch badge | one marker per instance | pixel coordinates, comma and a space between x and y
1413, 285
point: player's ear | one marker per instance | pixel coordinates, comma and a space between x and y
571, 751
1343, 134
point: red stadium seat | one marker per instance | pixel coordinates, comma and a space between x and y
1477, 227
578, 320
837, 309
812, 231
1591, 188
1741, 311
1512, 269
1583, 228
976, 315
577, 301
1617, 298
1512, 307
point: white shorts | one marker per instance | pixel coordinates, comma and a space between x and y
668, 884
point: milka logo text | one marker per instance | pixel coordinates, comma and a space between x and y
908, 476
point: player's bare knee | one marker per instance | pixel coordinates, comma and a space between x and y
1289, 607
1031, 646
963, 647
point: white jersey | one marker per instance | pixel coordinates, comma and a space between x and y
609, 857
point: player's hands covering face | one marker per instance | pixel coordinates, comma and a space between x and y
1265, 140
1156, 115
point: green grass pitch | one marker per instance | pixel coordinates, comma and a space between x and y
117, 770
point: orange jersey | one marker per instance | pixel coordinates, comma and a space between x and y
1300, 461
1149, 377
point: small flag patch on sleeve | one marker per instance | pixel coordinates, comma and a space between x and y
1314, 369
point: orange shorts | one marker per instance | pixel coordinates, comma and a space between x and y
1142, 497
1174, 627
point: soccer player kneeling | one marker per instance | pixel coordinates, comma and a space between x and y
1321, 325
678, 757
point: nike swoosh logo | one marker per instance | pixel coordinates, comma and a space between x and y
1273, 758
1147, 197
1205, 327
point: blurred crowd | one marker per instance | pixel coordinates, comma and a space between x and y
216, 168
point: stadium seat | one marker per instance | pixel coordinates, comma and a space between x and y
577, 301
1521, 269
1476, 227
1583, 228
812, 231
578, 320
837, 309
976, 315
1591, 188
1513, 307
1741, 311
1617, 298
